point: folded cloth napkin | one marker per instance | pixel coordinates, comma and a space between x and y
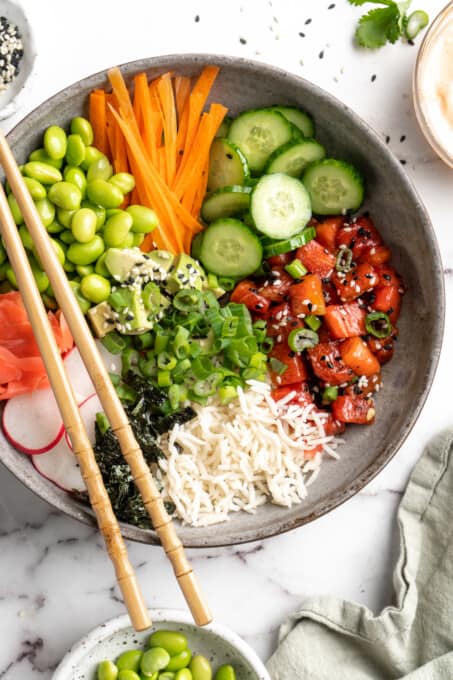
329, 639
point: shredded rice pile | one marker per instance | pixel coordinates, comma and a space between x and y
239, 456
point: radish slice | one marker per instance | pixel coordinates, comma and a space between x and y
78, 375
59, 465
88, 409
32, 422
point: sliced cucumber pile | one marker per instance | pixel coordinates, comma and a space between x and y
267, 174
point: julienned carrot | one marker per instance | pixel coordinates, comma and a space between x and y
182, 92
201, 190
168, 108
140, 84
97, 108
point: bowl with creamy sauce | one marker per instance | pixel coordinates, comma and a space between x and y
433, 85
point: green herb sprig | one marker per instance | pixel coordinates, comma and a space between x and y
388, 23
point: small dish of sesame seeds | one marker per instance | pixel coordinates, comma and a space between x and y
17, 56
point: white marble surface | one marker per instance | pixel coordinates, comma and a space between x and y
55, 580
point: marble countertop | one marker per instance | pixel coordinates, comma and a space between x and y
55, 579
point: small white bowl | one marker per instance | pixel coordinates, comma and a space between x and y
217, 643
11, 97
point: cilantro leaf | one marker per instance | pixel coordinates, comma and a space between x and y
379, 26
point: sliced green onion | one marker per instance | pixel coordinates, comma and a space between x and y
210, 300
227, 393
114, 343
251, 373
166, 361
164, 378
202, 367
148, 367
129, 359
227, 283
176, 394
329, 394
115, 378
213, 281
102, 422
188, 300
151, 296
207, 387
302, 338
296, 269
118, 299
344, 260
161, 342
277, 366
258, 360
144, 341
126, 393
378, 324
181, 368
415, 23
313, 322
229, 327
267, 344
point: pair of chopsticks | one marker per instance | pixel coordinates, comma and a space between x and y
67, 404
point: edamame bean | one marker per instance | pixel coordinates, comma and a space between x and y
3, 271
167, 676
65, 195
129, 660
103, 193
154, 660
54, 227
124, 181
41, 156
180, 660
91, 154
117, 229
100, 169
200, 668
81, 126
225, 672
128, 675
84, 304
83, 225
49, 302
69, 267
137, 239
99, 212
170, 640
58, 249
183, 674
67, 237
3, 255
55, 142
75, 151
100, 267
86, 253
46, 211
10, 275
84, 269
15, 210
76, 176
144, 219
25, 237
65, 217
36, 189
107, 671
6, 287
128, 241
42, 172
40, 277
112, 211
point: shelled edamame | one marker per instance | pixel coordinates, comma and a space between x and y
167, 657
79, 199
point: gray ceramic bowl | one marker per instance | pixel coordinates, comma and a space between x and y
407, 229
217, 643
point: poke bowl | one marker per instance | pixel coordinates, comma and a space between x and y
219, 645
405, 229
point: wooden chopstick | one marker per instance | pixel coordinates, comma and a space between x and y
72, 420
107, 395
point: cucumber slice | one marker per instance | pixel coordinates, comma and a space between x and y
271, 247
280, 206
258, 133
293, 158
195, 246
334, 186
300, 119
225, 202
224, 127
229, 248
227, 165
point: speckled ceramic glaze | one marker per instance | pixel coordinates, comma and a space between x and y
405, 226
217, 643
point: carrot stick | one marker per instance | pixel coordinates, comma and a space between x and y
201, 191
167, 102
97, 113
182, 92
140, 84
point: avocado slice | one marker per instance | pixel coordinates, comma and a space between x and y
186, 273
99, 316
121, 261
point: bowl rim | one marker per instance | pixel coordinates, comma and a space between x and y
148, 536
118, 623
423, 122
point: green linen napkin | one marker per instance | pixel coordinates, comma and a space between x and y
330, 639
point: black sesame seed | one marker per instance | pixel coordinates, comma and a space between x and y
331, 6
387, 277
230, 156
373, 77
402, 161
243, 41
402, 138
302, 35
321, 54
197, 18
308, 21
387, 139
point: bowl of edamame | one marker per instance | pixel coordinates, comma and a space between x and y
173, 649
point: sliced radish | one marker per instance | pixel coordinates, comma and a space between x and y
78, 375
32, 422
88, 409
59, 465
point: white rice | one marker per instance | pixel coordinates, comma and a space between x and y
240, 456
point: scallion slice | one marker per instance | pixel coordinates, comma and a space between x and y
378, 324
344, 260
302, 338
